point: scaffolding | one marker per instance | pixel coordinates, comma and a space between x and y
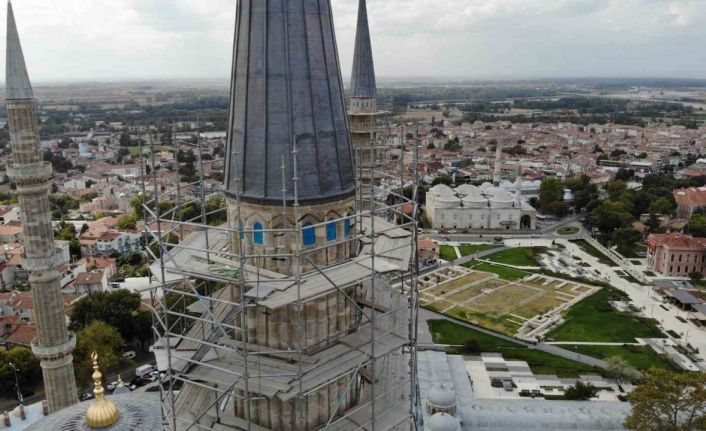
243, 347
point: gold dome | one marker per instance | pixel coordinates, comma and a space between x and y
102, 412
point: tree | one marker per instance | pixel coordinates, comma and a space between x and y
697, 225
453, 146
551, 190
75, 249
580, 392
127, 221
117, 309
28, 371
666, 401
653, 222
431, 146
696, 276
471, 346
620, 370
101, 338
623, 175
447, 181
125, 139
616, 187
626, 238
662, 206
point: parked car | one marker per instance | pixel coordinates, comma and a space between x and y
86, 396
130, 354
111, 386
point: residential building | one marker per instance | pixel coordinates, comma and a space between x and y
88, 283
676, 254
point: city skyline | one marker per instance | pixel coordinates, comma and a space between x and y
115, 40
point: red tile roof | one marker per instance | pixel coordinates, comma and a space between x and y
677, 241
691, 197
23, 335
89, 278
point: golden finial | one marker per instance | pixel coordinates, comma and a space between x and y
102, 412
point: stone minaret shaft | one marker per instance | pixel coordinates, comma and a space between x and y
54, 343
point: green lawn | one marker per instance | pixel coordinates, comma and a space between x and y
640, 357
504, 272
593, 251
519, 256
447, 253
593, 319
446, 332
469, 249
568, 230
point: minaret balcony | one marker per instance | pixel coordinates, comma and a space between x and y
54, 352
30, 173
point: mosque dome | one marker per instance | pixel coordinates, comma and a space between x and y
441, 398
444, 422
441, 190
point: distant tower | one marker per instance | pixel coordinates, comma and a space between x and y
362, 113
497, 177
54, 343
287, 95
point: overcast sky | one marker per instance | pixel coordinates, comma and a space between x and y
136, 39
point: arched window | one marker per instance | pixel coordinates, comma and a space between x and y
331, 231
347, 227
309, 234
258, 236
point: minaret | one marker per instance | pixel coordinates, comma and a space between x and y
497, 177
54, 343
288, 140
362, 113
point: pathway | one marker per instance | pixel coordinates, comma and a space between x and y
588, 343
481, 254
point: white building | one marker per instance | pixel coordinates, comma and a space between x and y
478, 208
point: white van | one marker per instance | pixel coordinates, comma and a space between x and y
144, 371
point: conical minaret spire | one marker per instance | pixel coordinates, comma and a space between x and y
32, 176
287, 93
363, 76
16, 78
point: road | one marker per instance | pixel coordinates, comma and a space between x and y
424, 339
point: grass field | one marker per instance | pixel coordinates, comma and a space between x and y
640, 357
469, 249
593, 319
447, 253
446, 332
505, 273
568, 230
519, 256
593, 251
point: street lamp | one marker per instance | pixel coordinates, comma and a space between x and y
17, 384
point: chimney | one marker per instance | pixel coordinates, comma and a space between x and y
23, 414
45, 408
6, 419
